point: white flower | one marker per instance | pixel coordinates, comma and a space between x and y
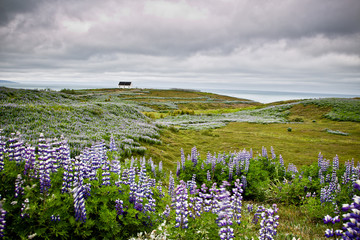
32, 236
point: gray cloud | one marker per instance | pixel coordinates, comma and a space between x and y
233, 41
10, 8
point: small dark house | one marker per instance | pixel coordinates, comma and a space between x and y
124, 84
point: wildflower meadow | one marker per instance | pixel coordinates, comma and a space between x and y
76, 165
45, 193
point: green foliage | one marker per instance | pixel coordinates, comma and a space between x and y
102, 220
261, 172
199, 228
68, 91
342, 109
315, 210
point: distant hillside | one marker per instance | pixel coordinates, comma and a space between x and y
6, 81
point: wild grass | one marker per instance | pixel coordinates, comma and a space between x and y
76, 113
301, 146
341, 109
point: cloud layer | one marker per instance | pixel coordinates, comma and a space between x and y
306, 45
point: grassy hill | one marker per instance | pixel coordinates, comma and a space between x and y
158, 123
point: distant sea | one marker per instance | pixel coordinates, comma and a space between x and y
275, 96
255, 95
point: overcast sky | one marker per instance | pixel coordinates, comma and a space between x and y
291, 45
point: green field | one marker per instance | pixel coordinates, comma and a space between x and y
157, 124
85, 116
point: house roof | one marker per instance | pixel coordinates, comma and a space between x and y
125, 83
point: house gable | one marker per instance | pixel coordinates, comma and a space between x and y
124, 84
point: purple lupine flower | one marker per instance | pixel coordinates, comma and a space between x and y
63, 151
226, 233
355, 173
55, 218
292, 169
16, 148
191, 185
160, 189
336, 163
335, 168
105, 174
273, 155
269, 223
330, 231
67, 176
178, 169
213, 164
24, 207
2, 219
30, 160
320, 159
236, 201
166, 212
79, 203
171, 185
321, 177
206, 198
194, 156
264, 152
44, 174
221, 159
2, 150
208, 158
181, 205
352, 219
115, 167
231, 166
52, 157
78, 174
160, 166
87, 190
247, 164
19, 190
112, 144
323, 163
44, 165
144, 191
214, 202
182, 159
132, 184
150, 206
244, 181
281, 161
153, 167
208, 176
347, 174
250, 207
257, 214
237, 164
327, 219
195, 201
119, 206
225, 212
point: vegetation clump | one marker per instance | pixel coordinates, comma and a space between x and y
46, 193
